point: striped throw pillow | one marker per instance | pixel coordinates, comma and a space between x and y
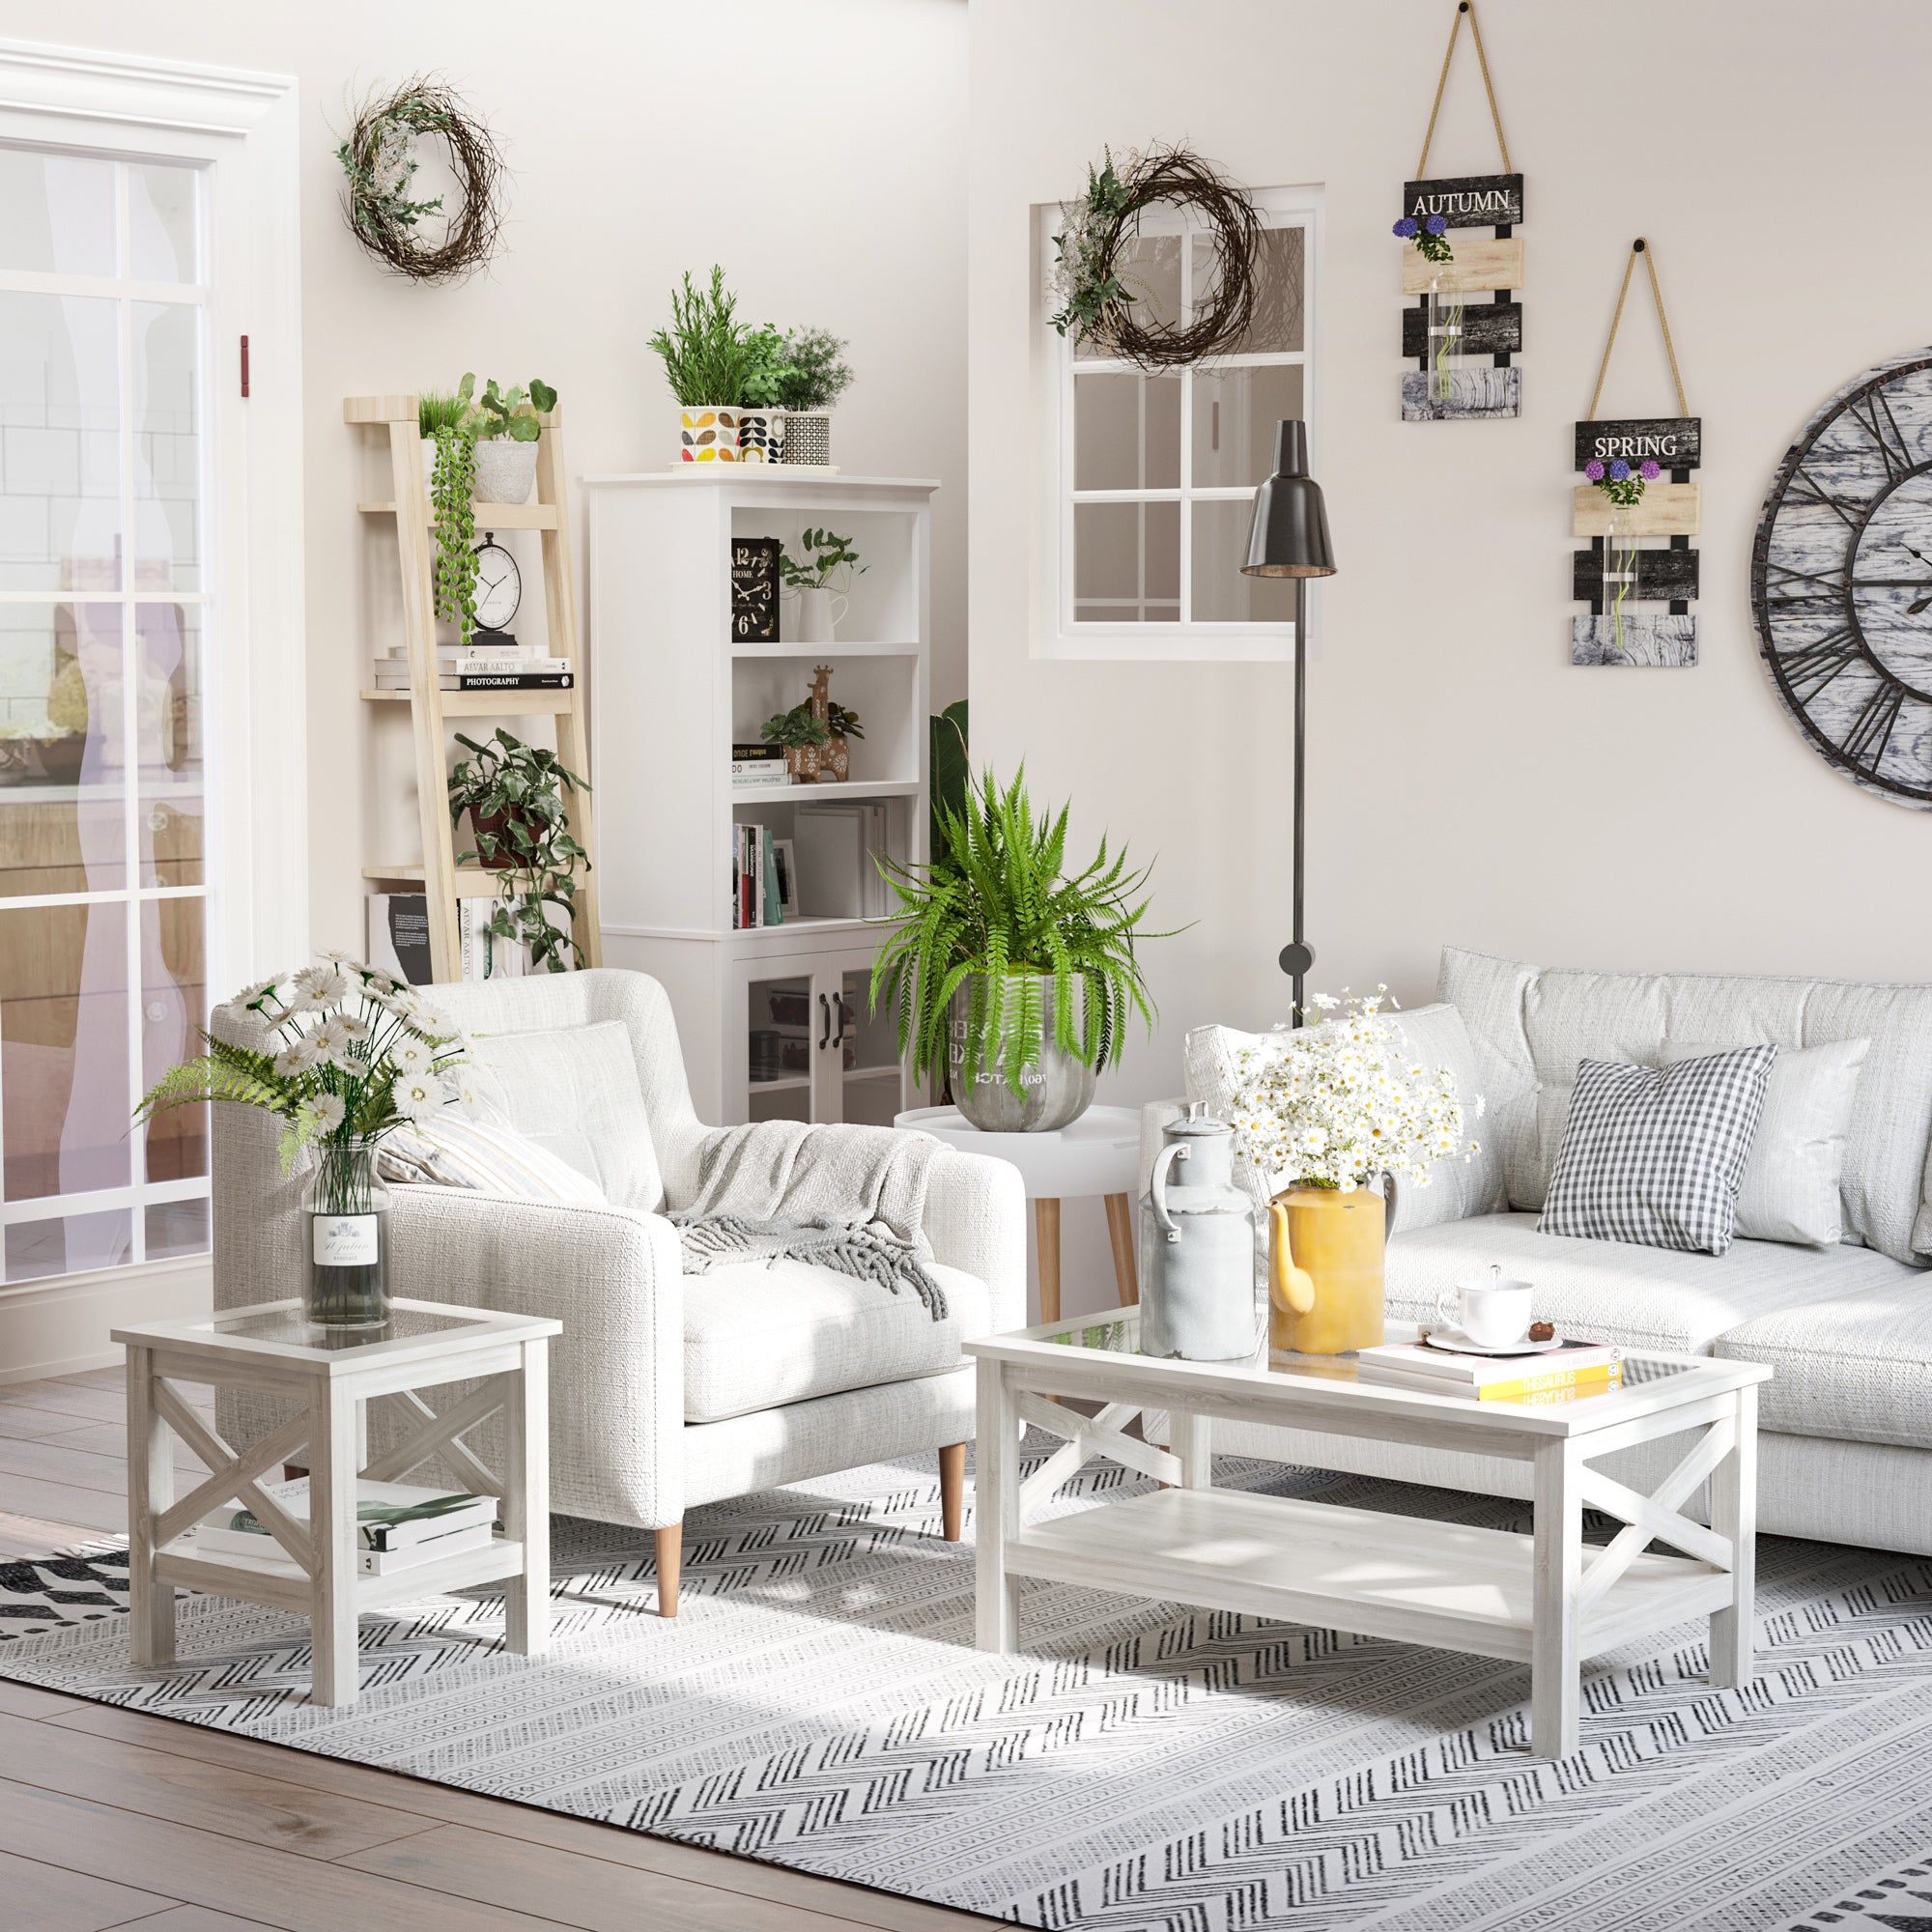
452, 1149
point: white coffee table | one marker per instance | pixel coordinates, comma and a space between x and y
1098, 1153
1546, 1599
272, 1349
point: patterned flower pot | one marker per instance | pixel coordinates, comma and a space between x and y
709, 434
761, 435
809, 439
507, 471
1054, 1091
805, 762
836, 761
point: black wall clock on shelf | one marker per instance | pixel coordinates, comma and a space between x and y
1637, 490
1841, 580
755, 590
1459, 282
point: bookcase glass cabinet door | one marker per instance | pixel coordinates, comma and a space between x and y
813, 1049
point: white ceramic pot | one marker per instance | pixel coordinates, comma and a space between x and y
818, 615
708, 434
507, 471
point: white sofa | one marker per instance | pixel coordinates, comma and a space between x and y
667, 1390
1846, 1449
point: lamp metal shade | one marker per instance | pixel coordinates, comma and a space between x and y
1290, 534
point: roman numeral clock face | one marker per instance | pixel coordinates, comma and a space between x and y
1841, 580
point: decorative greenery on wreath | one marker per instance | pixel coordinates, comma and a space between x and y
1098, 307
380, 159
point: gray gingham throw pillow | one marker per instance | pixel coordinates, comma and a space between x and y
1654, 1156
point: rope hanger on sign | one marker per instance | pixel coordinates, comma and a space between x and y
1435, 107
1639, 247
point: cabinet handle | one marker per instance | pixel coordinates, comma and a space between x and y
838, 1007
825, 1031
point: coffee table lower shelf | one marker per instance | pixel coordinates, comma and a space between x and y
1451, 1585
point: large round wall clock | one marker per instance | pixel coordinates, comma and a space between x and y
1841, 580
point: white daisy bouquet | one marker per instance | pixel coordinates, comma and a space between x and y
354, 1054
1334, 1103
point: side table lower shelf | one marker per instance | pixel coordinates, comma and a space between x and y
286, 1585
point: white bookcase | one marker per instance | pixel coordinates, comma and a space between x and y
673, 691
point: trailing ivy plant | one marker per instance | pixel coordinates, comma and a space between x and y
997, 911
451, 489
514, 795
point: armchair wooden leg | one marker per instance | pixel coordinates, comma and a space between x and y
671, 1553
951, 1489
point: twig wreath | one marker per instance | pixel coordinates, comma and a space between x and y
1097, 305
379, 156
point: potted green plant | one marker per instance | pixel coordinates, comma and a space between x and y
505, 426
818, 376
514, 795
1010, 970
809, 576
706, 358
843, 726
803, 737
761, 417
449, 463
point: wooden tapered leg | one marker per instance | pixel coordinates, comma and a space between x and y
1121, 1235
951, 1489
1046, 1233
670, 1555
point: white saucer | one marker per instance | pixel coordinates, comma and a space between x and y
1453, 1341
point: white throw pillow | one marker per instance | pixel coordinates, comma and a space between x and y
451, 1149
1790, 1189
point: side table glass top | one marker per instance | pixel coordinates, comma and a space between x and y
285, 1323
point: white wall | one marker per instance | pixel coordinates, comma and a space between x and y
817, 153
1466, 784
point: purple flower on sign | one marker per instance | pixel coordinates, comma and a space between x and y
1650, 473
1436, 225
1619, 469
1407, 227
1594, 469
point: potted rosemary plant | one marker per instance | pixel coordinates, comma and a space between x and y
706, 356
347, 1055
1016, 973
513, 793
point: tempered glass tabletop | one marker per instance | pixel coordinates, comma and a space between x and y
284, 1323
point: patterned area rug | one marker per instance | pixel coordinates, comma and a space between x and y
815, 1704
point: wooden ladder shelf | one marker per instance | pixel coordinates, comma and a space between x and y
431, 707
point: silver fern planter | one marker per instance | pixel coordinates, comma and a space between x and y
1054, 1092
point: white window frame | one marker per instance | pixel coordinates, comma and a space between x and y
1056, 634
242, 130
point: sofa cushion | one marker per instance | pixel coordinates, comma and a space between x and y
1857, 1367
575, 1091
758, 1337
452, 1149
1656, 1156
1797, 1164
1642, 1297
1537, 1024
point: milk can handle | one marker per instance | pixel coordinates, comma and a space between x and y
1173, 1151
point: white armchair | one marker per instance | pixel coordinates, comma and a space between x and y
666, 1391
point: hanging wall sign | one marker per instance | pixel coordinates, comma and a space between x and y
1626, 499
1459, 281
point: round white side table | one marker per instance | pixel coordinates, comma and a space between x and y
1099, 1154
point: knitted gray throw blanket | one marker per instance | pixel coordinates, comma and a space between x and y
838, 1196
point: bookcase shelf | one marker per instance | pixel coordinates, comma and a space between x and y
675, 691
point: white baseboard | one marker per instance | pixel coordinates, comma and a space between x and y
60, 1326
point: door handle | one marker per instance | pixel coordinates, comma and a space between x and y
825, 1014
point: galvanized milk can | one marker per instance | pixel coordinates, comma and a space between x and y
1197, 1247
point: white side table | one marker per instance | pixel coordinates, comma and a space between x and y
272, 1349
1099, 1154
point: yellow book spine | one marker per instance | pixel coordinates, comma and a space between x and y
1558, 1385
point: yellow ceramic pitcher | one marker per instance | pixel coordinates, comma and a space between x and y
1326, 1269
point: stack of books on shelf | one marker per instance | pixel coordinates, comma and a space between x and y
481, 666
397, 1525
1575, 1369
399, 938
761, 765
839, 849
757, 894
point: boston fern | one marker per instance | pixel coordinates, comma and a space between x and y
997, 912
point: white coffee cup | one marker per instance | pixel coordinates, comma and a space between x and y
1493, 1311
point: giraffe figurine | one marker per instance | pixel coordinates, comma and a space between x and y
835, 760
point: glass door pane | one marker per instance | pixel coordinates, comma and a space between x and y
872, 1058
780, 1042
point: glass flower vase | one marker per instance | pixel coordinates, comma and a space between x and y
347, 1208
1619, 568
1444, 324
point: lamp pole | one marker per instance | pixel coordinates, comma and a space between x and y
1289, 538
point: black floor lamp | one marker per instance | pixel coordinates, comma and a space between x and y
1289, 538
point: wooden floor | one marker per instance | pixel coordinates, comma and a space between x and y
110, 1817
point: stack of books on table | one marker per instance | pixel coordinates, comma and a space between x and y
1575, 1369
397, 1525
479, 668
759, 765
